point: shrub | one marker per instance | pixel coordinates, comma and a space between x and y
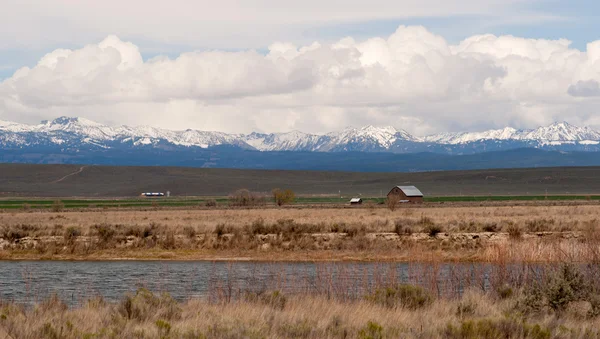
221, 229
16, 232
163, 327
283, 197
168, 241
57, 206
258, 226
246, 198
105, 232
432, 230
405, 296
514, 231
539, 225
505, 292
566, 286
466, 308
189, 231
426, 221
490, 227
503, 328
145, 305
274, 299
371, 331
403, 226
211, 203
71, 234
392, 202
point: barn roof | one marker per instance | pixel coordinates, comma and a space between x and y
411, 191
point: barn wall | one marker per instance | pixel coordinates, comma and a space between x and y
401, 196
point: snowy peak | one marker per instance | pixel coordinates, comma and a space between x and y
290, 141
383, 137
77, 132
465, 137
561, 131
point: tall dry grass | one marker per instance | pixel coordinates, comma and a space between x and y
392, 310
515, 233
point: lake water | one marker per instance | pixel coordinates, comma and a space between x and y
32, 281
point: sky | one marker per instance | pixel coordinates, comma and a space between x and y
425, 66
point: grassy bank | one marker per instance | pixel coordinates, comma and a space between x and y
536, 233
562, 305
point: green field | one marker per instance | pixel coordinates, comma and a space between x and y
223, 201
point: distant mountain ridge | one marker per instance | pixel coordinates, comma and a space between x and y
72, 133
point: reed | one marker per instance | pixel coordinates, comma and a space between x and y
467, 303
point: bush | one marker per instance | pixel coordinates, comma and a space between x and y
514, 231
245, 198
163, 327
105, 233
211, 203
503, 328
145, 305
71, 234
539, 225
274, 299
371, 331
392, 202
566, 286
258, 226
16, 232
221, 229
168, 241
432, 230
403, 226
505, 292
57, 206
189, 231
490, 227
405, 296
283, 197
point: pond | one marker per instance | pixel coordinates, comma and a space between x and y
76, 281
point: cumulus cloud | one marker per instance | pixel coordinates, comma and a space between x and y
412, 79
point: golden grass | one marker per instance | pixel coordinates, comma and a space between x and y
533, 233
474, 315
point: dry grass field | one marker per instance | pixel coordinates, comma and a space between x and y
435, 232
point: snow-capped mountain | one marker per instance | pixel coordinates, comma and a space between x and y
557, 133
75, 134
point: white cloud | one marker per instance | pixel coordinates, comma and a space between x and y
204, 23
412, 79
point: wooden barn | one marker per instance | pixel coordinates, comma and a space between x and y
407, 194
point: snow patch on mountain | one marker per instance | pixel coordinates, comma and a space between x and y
75, 132
555, 134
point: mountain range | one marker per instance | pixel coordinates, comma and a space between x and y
368, 149
72, 133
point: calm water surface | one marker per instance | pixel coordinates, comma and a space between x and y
74, 282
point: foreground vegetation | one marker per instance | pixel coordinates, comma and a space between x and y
565, 304
533, 233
